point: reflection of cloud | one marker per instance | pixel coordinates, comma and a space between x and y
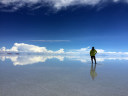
29, 59
79, 58
2, 58
32, 59
12, 58
99, 59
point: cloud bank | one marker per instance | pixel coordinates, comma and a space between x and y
27, 48
20, 48
56, 4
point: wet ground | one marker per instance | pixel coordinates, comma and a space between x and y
62, 76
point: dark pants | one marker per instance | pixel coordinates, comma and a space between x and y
93, 57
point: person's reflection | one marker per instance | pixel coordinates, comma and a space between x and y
93, 71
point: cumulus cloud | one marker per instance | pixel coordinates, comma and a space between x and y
27, 48
57, 4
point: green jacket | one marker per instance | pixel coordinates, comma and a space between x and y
93, 52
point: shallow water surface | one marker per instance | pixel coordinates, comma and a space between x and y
62, 76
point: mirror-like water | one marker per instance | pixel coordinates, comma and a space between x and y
31, 75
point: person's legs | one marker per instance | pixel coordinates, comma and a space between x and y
92, 59
95, 59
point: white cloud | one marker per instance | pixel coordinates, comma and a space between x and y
57, 4
83, 49
100, 51
22, 47
3, 49
86, 51
33, 49
79, 51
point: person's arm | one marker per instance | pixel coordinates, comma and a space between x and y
90, 52
95, 52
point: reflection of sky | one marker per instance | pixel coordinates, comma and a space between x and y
32, 59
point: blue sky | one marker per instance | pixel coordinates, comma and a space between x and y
103, 25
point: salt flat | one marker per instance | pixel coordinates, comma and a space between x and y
62, 76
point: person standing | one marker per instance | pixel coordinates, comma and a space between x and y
92, 54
